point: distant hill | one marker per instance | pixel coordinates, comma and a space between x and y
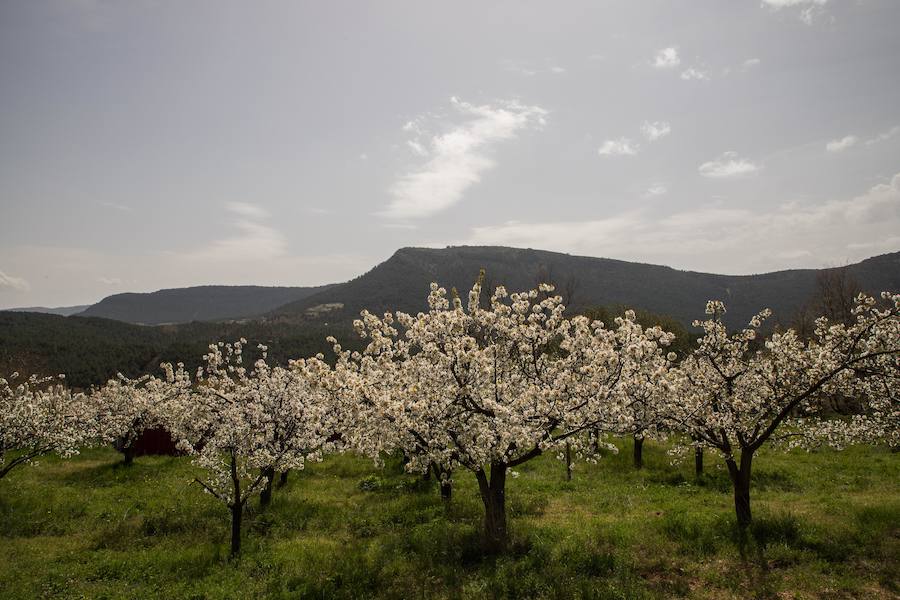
401, 283
90, 350
202, 303
63, 311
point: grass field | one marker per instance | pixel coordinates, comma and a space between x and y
827, 526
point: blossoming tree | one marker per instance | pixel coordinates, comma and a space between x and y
242, 426
644, 383
128, 407
40, 416
736, 391
486, 389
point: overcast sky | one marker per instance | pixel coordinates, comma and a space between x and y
154, 144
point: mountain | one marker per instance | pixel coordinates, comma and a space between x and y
202, 303
63, 311
401, 283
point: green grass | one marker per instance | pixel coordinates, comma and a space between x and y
827, 525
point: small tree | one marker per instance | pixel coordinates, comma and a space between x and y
41, 416
128, 407
243, 426
735, 391
644, 383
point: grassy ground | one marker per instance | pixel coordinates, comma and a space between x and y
827, 526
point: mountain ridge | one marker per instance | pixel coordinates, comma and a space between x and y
401, 283
196, 303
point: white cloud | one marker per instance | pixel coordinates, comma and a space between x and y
656, 189
250, 211
655, 130
779, 4
8, 283
751, 62
883, 137
667, 58
116, 206
253, 240
417, 147
841, 144
693, 74
618, 147
721, 239
109, 280
809, 9
458, 156
726, 166
530, 69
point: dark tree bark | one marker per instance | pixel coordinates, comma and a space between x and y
698, 461
128, 453
446, 490
265, 496
282, 479
568, 461
740, 480
493, 495
443, 478
638, 452
237, 508
236, 513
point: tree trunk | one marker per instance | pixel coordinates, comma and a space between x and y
237, 507
446, 489
128, 453
265, 496
638, 452
493, 495
236, 511
698, 461
740, 480
443, 477
282, 480
568, 461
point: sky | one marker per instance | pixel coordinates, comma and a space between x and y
152, 144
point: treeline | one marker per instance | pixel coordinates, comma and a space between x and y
92, 350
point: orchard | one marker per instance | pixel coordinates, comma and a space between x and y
476, 389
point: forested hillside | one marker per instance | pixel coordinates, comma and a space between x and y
401, 283
202, 303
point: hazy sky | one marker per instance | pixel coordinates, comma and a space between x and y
153, 144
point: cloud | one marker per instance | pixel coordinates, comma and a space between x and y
841, 144
253, 240
8, 283
692, 74
809, 9
750, 63
667, 58
655, 130
109, 280
618, 147
250, 211
723, 239
116, 206
458, 157
726, 166
779, 4
656, 189
529, 69
884, 136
